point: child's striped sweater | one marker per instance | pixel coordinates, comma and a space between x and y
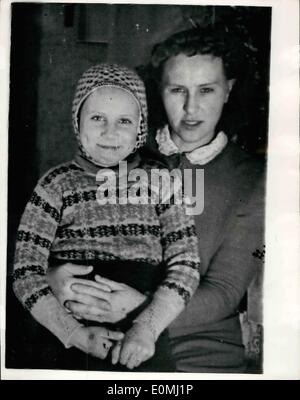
63, 220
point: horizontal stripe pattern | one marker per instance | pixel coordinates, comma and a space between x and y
79, 197
63, 220
90, 255
57, 172
33, 299
173, 237
25, 236
37, 201
22, 272
190, 264
109, 230
183, 293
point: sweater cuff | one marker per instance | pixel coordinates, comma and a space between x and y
49, 313
164, 308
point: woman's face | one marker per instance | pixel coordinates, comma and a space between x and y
194, 91
109, 123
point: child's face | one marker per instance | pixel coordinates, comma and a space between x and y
109, 122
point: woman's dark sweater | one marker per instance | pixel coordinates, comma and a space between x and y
207, 335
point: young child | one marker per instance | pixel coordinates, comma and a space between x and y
152, 247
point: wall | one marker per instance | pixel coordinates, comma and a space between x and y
62, 60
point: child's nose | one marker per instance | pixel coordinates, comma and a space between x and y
109, 130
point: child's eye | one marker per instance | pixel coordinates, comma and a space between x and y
97, 118
125, 121
205, 90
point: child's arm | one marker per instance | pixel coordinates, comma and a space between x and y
180, 251
34, 238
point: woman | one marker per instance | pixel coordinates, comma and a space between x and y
196, 71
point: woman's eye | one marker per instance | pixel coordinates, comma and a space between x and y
125, 121
206, 90
177, 90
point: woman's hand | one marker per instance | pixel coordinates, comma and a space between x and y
102, 300
62, 278
121, 299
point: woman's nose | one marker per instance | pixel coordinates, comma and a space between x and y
191, 104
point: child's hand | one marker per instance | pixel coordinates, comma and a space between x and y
94, 340
137, 347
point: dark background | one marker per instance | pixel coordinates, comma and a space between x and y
52, 44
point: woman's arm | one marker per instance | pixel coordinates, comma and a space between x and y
232, 268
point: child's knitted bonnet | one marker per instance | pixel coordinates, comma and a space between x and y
111, 75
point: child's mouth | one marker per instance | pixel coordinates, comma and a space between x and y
114, 148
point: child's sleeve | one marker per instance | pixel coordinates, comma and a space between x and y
180, 255
34, 239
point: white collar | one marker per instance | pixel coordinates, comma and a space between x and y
202, 155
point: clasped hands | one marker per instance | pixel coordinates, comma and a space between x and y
102, 301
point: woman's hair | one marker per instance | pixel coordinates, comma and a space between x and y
216, 40
233, 44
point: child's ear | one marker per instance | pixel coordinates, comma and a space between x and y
230, 83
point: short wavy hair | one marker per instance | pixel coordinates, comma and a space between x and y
216, 40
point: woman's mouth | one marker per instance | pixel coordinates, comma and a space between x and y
191, 124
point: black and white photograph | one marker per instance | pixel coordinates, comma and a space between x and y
141, 190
